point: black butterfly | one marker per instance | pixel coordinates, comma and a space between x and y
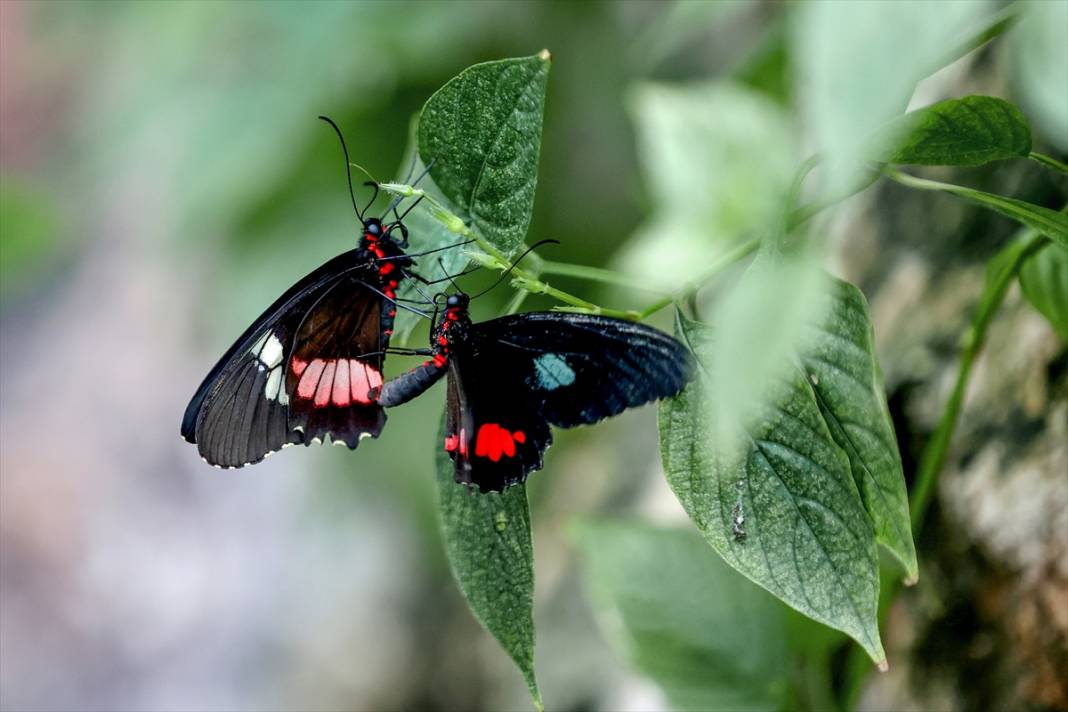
305, 368
509, 378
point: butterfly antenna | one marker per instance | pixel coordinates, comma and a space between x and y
429, 299
526, 252
348, 169
373, 184
448, 276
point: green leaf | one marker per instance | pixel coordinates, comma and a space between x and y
1044, 280
958, 132
840, 363
488, 543
782, 508
858, 64
716, 159
1038, 50
707, 636
1050, 223
482, 130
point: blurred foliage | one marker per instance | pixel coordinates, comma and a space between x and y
185, 135
31, 235
708, 636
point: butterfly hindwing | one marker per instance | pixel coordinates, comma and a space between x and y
336, 359
493, 435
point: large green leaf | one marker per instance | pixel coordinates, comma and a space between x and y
840, 363
482, 131
958, 132
1044, 280
783, 507
488, 542
710, 638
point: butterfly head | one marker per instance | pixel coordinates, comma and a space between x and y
459, 300
372, 231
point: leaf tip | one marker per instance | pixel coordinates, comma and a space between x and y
912, 579
883, 666
545, 55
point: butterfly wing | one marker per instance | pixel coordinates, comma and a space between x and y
582, 368
241, 412
335, 361
493, 434
515, 375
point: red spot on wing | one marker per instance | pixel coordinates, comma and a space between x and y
297, 366
326, 384
309, 378
451, 442
364, 379
493, 441
341, 394
339, 382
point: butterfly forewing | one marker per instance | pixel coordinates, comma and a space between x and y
582, 368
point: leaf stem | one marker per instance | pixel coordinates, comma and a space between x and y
1050, 223
1048, 161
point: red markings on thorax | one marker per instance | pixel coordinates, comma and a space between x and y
389, 286
493, 441
339, 382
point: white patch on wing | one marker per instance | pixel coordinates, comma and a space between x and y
273, 390
271, 353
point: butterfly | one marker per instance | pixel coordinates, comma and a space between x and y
305, 369
510, 378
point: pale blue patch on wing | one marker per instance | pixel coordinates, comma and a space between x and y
553, 372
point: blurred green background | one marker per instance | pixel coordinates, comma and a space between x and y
164, 177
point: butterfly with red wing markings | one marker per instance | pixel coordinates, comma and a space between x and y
303, 370
510, 378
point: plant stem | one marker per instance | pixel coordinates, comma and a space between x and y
495, 259
806, 212
1048, 161
999, 279
593, 274
934, 454
725, 260
1049, 222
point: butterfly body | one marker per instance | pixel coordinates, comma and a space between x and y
510, 378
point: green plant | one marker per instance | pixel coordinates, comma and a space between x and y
782, 450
